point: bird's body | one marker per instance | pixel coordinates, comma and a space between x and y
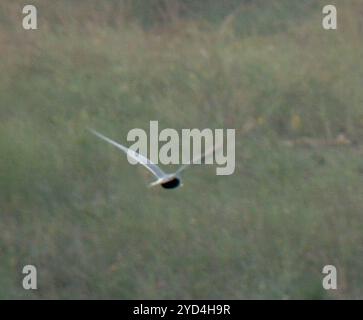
166, 180
171, 182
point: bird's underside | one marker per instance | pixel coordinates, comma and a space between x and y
171, 184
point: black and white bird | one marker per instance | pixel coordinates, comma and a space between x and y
166, 180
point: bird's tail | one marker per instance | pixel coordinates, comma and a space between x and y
155, 183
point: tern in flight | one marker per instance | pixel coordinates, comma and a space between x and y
166, 180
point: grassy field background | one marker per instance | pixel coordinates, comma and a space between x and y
74, 207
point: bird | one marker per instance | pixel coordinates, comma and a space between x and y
166, 180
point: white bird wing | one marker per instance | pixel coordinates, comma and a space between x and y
153, 168
202, 156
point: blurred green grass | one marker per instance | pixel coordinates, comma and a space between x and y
77, 210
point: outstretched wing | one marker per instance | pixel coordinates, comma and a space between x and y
204, 155
153, 168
